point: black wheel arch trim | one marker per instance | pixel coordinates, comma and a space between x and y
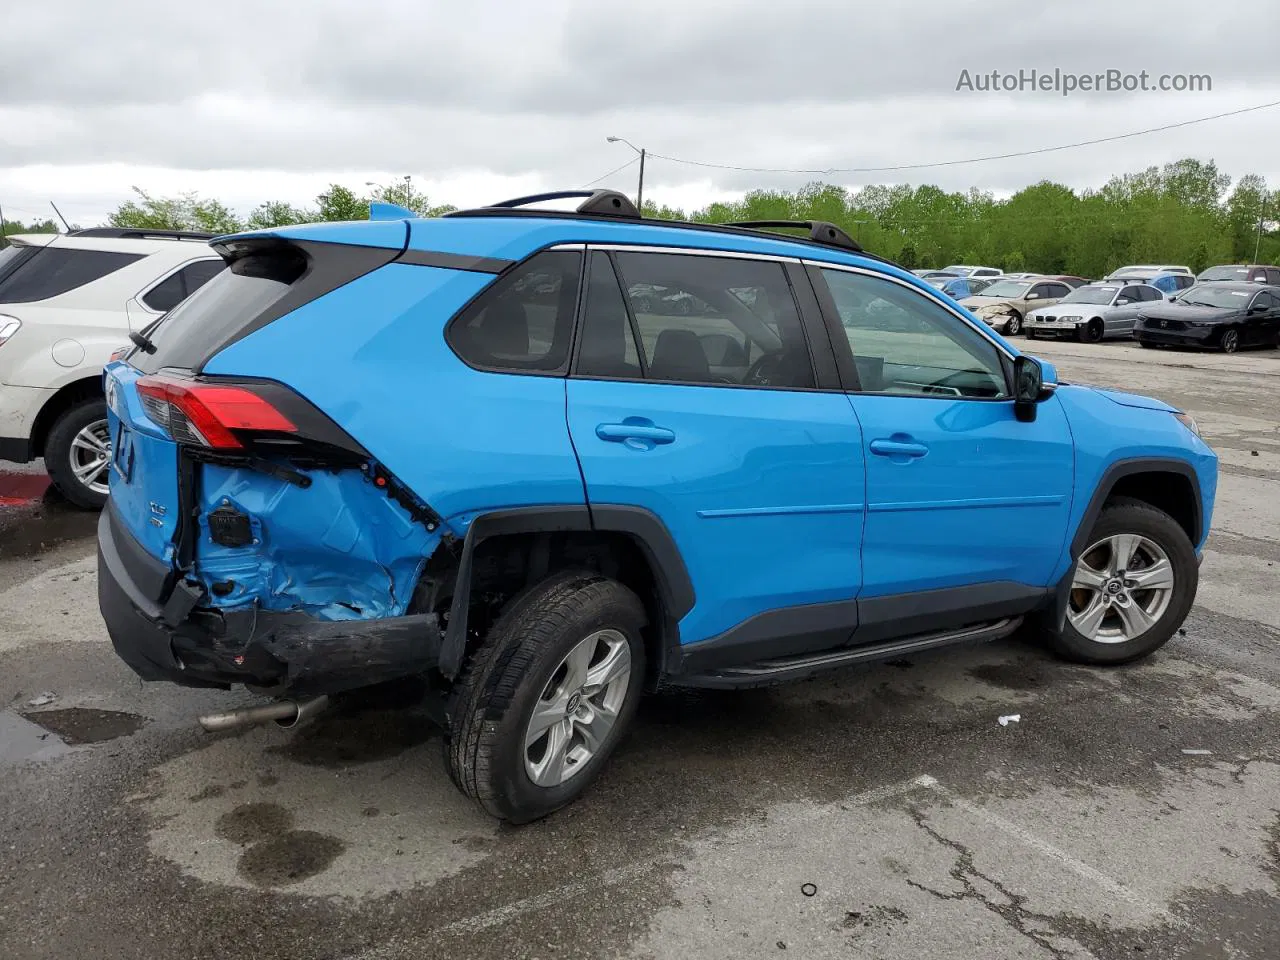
643, 526
1127, 468
1114, 473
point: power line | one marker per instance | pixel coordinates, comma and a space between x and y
616, 169
954, 163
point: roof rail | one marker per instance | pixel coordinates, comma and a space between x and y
608, 203
140, 233
820, 231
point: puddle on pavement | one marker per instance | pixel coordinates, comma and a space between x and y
29, 529
355, 735
253, 823
289, 858
80, 725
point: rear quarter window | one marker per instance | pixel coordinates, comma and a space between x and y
53, 271
211, 317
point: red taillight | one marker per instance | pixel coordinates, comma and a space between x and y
206, 413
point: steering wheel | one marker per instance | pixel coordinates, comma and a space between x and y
764, 368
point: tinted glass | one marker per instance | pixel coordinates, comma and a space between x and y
716, 320
1148, 293
186, 335
524, 323
1132, 294
1091, 294
1263, 300
53, 271
608, 347
1225, 273
1058, 289
197, 274
166, 294
1212, 295
908, 345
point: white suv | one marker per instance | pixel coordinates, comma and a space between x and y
67, 301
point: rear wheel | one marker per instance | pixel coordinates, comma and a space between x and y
77, 454
1230, 340
547, 696
1131, 587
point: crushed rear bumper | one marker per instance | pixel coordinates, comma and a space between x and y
159, 629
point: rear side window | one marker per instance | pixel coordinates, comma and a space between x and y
524, 322
175, 288
53, 271
200, 324
714, 320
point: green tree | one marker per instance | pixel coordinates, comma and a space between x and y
12, 227
187, 211
275, 213
341, 203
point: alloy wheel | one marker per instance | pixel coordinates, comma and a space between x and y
91, 456
1230, 341
578, 708
1014, 326
1121, 587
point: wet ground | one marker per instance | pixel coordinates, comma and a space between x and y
877, 812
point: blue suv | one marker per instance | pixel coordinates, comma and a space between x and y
547, 460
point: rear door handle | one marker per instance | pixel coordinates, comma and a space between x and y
898, 448
621, 432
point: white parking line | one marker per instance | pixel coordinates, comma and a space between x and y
1043, 847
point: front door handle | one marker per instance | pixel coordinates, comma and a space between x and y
898, 448
621, 432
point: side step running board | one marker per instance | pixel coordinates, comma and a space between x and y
783, 669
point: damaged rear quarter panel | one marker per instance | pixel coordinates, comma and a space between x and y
340, 549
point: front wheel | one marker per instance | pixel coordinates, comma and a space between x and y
1230, 341
1014, 325
77, 454
1131, 587
1147, 344
1091, 332
547, 696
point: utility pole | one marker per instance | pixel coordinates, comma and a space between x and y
1257, 243
640, 185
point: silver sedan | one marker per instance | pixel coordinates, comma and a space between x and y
1093, 312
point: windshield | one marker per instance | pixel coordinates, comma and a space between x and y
1007, 288
1217, 297
1091, 295
1225, 273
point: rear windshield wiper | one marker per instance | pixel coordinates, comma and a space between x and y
142, 342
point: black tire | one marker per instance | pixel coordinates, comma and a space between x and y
58, 453
1091, 332
1147, 344
1014, 325
491, 703
1230, 340
1123, 515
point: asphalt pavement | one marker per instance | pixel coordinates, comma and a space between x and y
882, 811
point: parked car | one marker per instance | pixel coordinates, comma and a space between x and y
1093, 312
965, 270
1142, 271
1168, 280
1021, 276
547, 508
935, 274
957, 288
1251, 272
1005, 303
1069, 279
66, 302
1219, 315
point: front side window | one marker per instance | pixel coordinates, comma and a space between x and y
524, 322
53, 271
905, 344
705, 320
1149, 293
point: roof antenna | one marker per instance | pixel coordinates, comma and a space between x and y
60, 216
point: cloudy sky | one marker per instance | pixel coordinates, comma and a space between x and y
250, 100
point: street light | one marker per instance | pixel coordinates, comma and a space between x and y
640, 185
408, 191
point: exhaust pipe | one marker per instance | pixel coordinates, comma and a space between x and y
287, 713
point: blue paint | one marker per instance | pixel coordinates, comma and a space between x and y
774, 498
767, 464
944, 519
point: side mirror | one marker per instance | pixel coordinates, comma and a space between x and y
1028, 387
1258, 309
1123, 301
1033, 296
